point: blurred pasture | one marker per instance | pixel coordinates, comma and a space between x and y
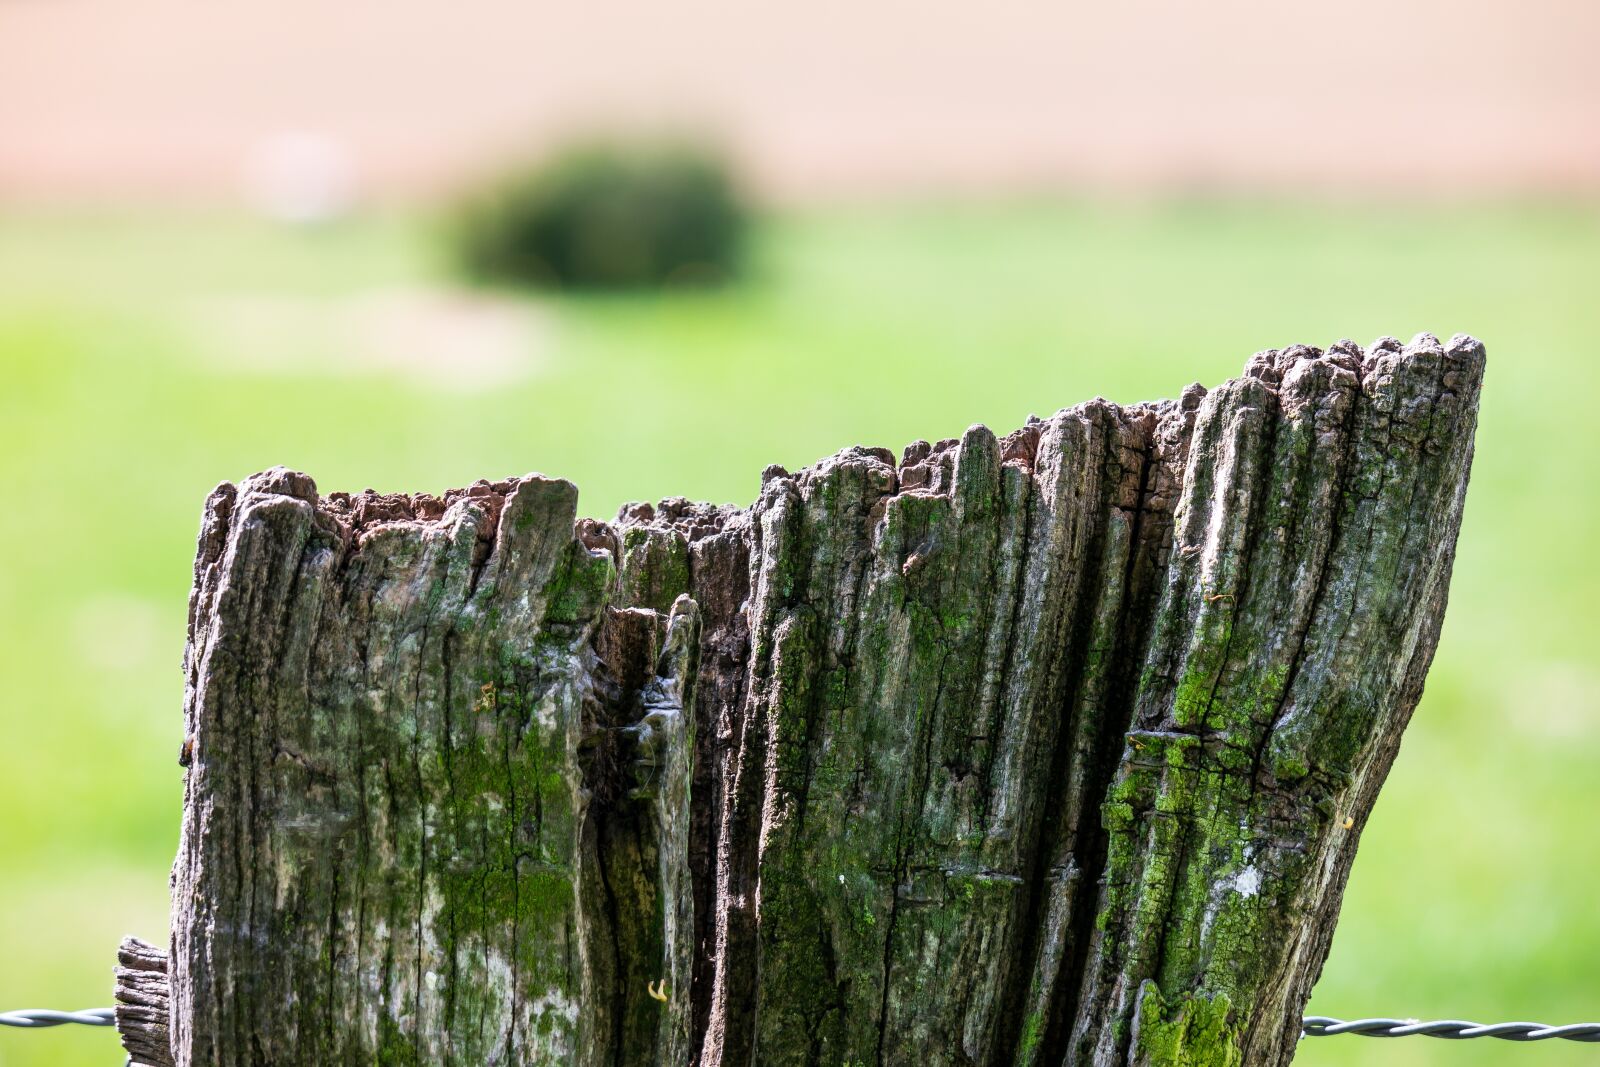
146, 356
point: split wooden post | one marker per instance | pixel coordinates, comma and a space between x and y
1051, 748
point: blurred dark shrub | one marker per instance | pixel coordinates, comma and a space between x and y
606, 217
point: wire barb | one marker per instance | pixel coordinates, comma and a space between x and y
1449, 1029
39, 1018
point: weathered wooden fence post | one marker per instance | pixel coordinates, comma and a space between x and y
1045, 749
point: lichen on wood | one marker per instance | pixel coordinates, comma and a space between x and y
1050, 748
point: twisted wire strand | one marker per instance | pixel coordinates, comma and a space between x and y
1449, 1029
40, 1018
1312, 1026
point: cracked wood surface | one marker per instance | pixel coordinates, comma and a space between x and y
1050, 748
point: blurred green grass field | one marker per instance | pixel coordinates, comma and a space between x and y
145, 359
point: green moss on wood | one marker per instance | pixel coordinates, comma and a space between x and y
1195, 1031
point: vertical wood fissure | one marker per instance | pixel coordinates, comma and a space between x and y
1089, 842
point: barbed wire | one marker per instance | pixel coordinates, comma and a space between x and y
1449, 1029
40, 1018
1311, 1026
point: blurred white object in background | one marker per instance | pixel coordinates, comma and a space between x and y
425, 337
301, 177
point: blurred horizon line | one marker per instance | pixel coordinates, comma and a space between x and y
170, 101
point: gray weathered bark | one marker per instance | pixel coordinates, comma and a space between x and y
1046, 749
143, 1010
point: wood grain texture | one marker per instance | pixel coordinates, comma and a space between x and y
1051, 748
143, 1009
